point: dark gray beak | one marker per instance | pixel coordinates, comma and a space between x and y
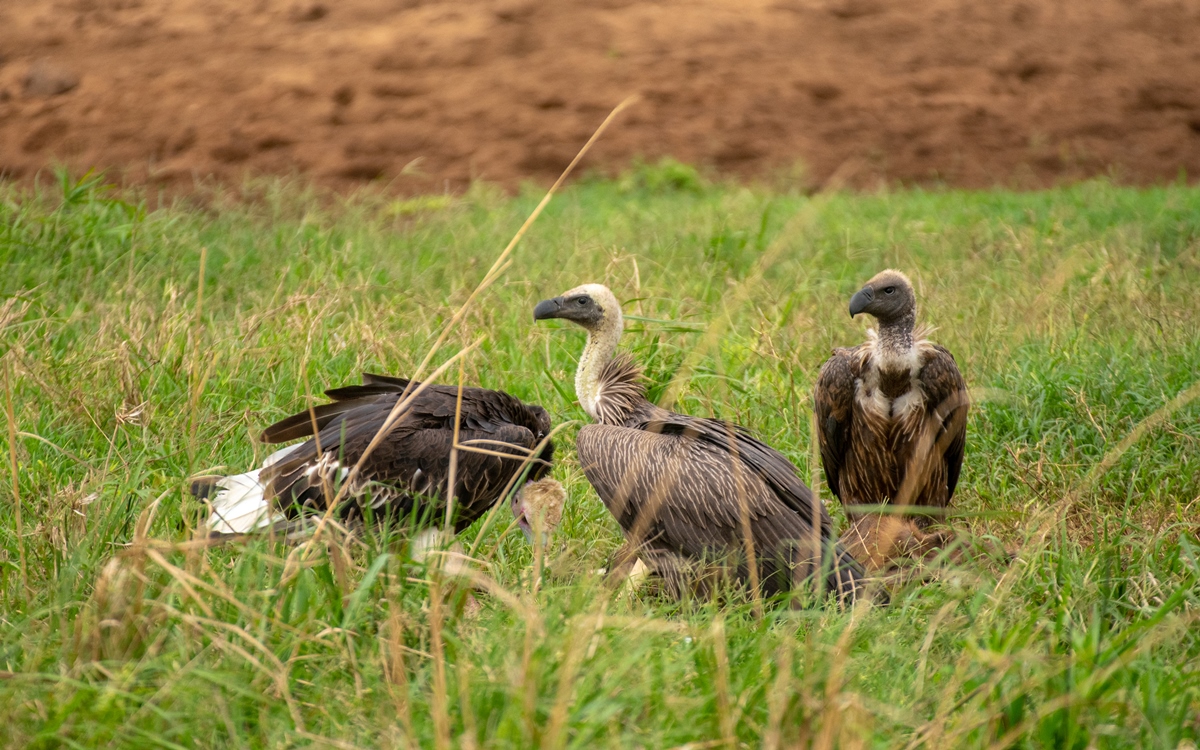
859, 302
548, 308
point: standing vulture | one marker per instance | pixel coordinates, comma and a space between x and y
892, 424
405, 476
689, 491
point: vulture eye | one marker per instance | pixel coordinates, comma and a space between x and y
890, 290
582, 301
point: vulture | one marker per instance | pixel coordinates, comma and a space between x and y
892, 425
692, 495
405, 476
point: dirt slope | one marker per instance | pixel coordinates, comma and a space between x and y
423, 95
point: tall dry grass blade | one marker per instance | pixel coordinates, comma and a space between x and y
814, 483
452, 473
491, 514
528, 685
470, 726
923, 660
743, 500
779, 695
395, 671
498, 265
1085, 686
12, 462
581, 633
721, 683
440, 699
278, 674
196, 388
385, 429
1160, 415
832, 712
1036, 538
55, 446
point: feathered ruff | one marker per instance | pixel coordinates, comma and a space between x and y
622, 391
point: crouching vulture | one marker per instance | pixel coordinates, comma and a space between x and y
405, 476
692, 495
892, 425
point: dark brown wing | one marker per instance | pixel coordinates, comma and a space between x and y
833, 402
408, 471
946, 392
691, 491
685, 493
756, 457
481, 408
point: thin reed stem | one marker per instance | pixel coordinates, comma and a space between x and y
12, 462
440, 699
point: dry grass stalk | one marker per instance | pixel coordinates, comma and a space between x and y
835, 702
440, 699
470, 726
744, 519
779, 696
923, 662
395, 671
721, 683
351, 479
16, 486
196, 383
1036, 539
581, 632
799, 223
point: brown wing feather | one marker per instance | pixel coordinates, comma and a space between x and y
726, 440
687, 495
833, 402
947, 396
409, 469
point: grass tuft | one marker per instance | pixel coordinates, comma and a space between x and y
141, 346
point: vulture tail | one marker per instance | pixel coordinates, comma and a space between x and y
300, 425
372, 385
239, 503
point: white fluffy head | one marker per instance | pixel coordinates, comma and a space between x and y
538, 507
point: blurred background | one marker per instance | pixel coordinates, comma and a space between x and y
427, 96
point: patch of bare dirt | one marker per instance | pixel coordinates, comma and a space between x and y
422, 95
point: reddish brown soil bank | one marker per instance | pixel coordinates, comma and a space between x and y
427, 94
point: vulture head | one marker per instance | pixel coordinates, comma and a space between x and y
888, 297
592, 306
541, 421
538, 508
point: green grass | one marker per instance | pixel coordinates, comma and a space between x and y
143, 345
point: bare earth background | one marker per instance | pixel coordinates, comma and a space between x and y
431, 95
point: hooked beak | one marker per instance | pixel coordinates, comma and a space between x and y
548, 308
526, 529
860, 301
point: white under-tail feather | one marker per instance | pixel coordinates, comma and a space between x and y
239, 506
